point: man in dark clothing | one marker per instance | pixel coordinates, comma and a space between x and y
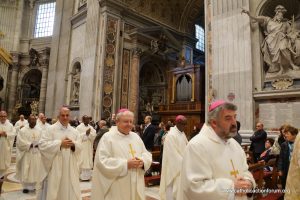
102, 129
148, 133
238, 137
258, 140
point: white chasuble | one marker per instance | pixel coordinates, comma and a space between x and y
62, 165
209, 167
112, 180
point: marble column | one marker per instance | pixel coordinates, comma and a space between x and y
44, 65
133, 98
13, 84
228, 57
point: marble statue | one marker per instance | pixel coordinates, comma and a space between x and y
76, 87
281, 45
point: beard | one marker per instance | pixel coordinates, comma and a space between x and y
229, 134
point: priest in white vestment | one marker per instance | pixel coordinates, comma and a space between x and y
42, 123
120, 163
87, 134
214, 165
174, 146
29, 157
60, 149
20, 123
7, 135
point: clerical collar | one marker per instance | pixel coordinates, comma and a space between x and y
122, 134
62, 126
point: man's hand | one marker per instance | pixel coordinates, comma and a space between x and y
3, 134
88, 131
242, 184
66, 143
135, 163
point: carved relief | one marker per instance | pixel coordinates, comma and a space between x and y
109, 67
125, 78
282, 83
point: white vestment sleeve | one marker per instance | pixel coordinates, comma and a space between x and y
49, 148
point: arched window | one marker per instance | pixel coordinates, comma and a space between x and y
200, 36
184, 88
44, 20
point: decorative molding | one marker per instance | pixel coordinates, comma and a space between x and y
109, 66
282, 83
125, 78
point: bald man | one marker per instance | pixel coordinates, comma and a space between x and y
60, 148
20, 123
258, 140
174, 146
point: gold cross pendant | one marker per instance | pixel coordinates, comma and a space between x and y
234, 172
132, 152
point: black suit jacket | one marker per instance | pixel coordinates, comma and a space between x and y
148, 137
258, 140
284, 161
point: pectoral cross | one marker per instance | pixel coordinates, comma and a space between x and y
132, 152
33, 137
234, 172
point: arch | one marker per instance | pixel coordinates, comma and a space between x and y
193, 13
152, 87
76, 61
24, 71
30, 89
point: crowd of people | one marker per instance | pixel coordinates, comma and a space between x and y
53, 159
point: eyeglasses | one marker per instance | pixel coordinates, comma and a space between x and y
3, 116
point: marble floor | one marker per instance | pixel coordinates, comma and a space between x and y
12, 189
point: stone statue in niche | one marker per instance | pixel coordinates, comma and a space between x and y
34, 57
149, 108
76, 86
281, 45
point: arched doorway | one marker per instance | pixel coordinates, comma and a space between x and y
152, 90
30, 90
